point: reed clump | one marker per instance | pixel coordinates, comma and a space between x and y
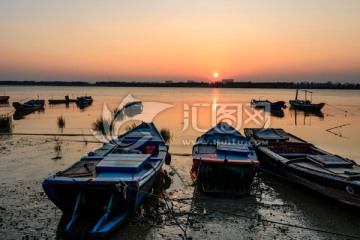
166, 135
61, 122
57, 148
6, 122
131, 127
100, 125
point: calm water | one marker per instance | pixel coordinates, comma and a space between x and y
191, 110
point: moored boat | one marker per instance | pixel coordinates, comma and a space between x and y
29, 105
224, 161
305, 105
133, 108
59, 101
303, 163
4, 99
99, 192
84, 101
266, 103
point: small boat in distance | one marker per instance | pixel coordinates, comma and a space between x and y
59, 101
264, 103
99, 192
84, 101
133, 108
4, 99
305, 105
29, 105
224, 161
303, 163
133, 104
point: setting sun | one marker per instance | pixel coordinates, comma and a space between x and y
215, 75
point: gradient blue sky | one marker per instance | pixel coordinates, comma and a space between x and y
259, 40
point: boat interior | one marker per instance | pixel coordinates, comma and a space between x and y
119, 156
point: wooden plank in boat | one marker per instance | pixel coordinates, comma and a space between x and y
269, 134
330, 160
129, 163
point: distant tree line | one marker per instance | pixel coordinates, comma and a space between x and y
284, 85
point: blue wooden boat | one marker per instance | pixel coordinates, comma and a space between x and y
98, 193
30, 105
224, 161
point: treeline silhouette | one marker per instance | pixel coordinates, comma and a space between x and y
288, 85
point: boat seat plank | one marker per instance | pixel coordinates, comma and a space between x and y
330, 160
130, 163
269, 134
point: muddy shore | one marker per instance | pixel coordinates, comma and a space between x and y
26, 212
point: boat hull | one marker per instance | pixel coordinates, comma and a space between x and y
4, 99
307, 107
22, 107
224, 177
99, 192
332, 187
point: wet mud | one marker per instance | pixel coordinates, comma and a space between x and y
176, 209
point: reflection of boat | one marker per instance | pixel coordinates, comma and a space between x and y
306, 115
224, 161
265, 103
59, 101
31, 105
97, 193
18, 115
307, 165
133, 108
277, 113
4, 99
84, 101
305, 105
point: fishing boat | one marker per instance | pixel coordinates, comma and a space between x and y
31, 105
308, 166
84, 101
224, 161
133, 108
305, 105
4, 99
278, 105
60, 101
137, 104
99, 192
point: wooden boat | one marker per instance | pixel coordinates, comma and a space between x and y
133, 108
224, 161
305, 105
84, 101
99, 192
31, 105
59, 101
4, 99
303, 163
264, 103
137, 104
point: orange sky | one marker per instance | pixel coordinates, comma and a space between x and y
158, 40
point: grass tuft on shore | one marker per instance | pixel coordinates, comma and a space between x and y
61, 122
166, 134
6, 122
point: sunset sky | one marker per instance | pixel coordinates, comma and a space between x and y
157, 40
